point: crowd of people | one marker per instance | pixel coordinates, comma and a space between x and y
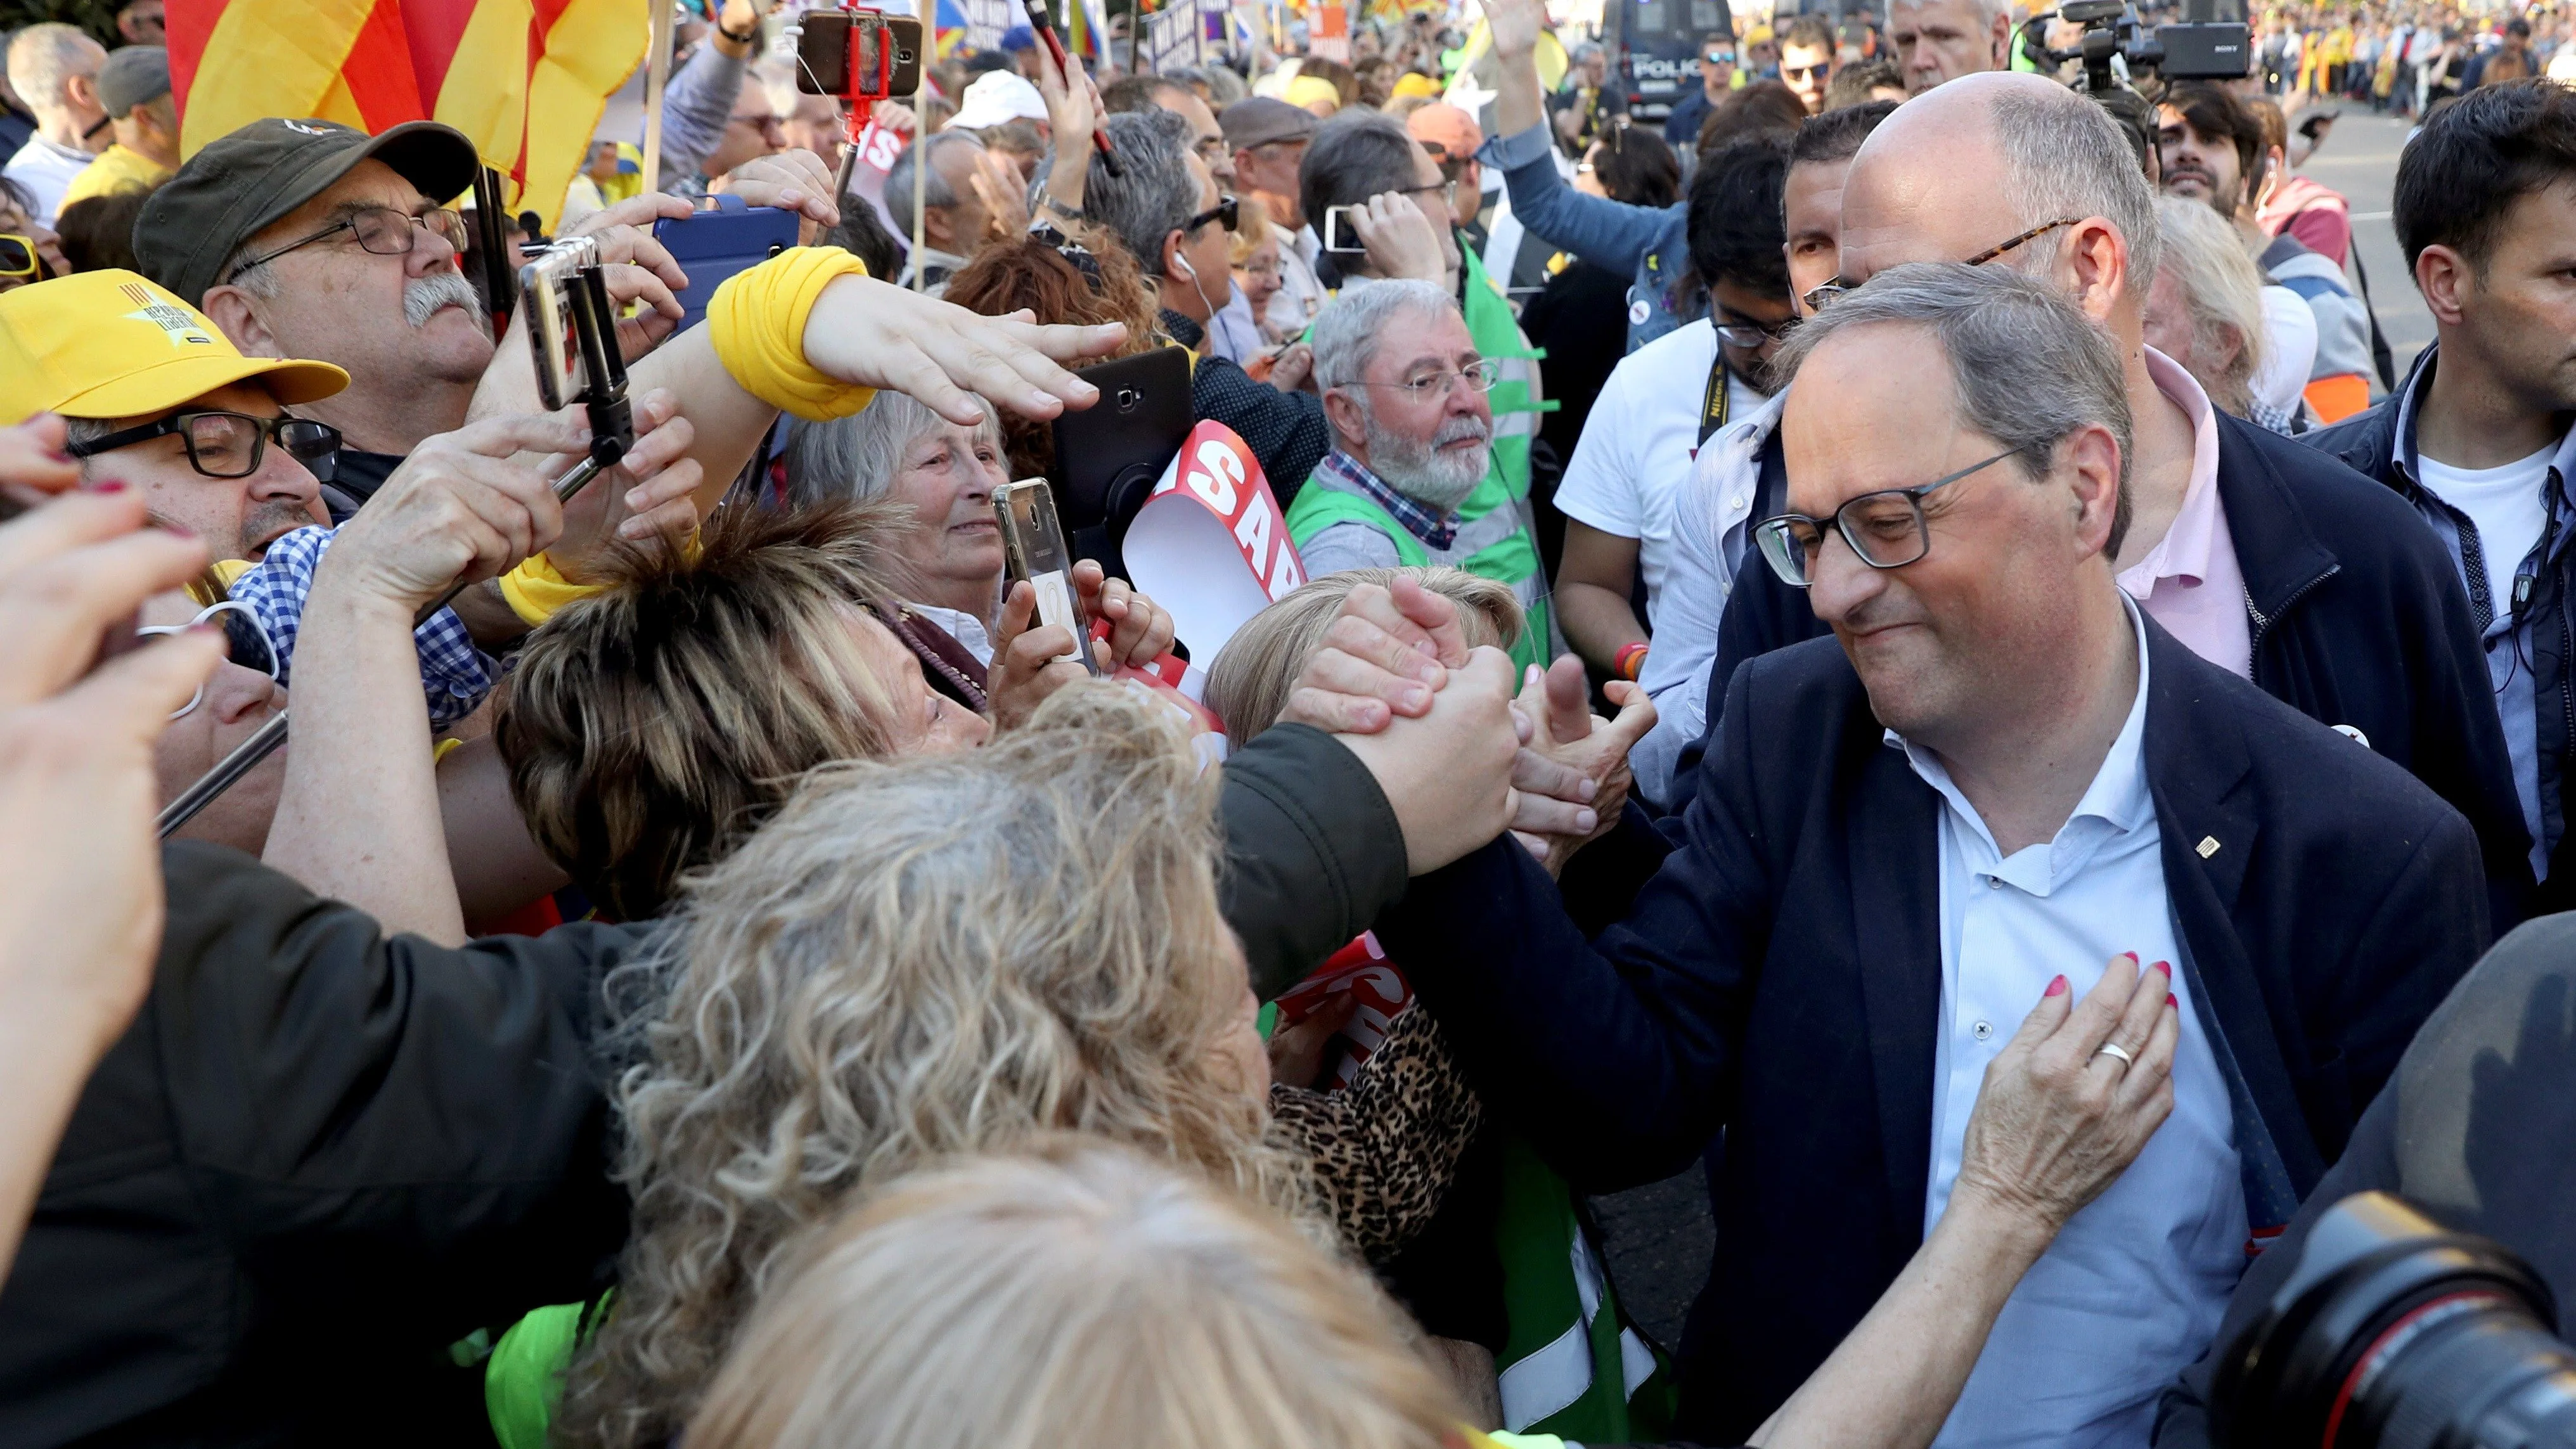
1885, 628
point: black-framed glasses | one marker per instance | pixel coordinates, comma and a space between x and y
1754, 334
18, 257
1805, 72
1227, 212
1885, 529
1448, 191
1824, 292
380, 230
232, 445
246, 643
1478, 376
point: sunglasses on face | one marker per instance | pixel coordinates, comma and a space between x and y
1804, 72
1719, 57
1828, 291
246, 643
232, 445
19, 258
1227, 213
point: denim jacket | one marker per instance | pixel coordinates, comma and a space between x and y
1650, 244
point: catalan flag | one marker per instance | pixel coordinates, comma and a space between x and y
526, 79
1086, 31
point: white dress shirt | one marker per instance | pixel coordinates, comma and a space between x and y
2132, 1290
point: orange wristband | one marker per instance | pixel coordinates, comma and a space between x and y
1630, 661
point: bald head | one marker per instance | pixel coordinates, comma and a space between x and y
1971, 165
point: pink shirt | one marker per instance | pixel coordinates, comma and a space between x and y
2189, 581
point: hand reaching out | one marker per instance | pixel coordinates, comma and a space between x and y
2058, 1119
1573, 774
1384, 655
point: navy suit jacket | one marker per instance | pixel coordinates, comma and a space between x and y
2357, 619
1780, 976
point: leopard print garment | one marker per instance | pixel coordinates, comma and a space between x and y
1387, 1147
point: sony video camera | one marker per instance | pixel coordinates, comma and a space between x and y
2394, 1334
2211, 42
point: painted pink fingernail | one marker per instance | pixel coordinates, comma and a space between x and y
2057, 987
2170, 1001
2164, 966
112, 485
2132, 955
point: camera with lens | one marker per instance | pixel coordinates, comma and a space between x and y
2211, 42
2393, 1333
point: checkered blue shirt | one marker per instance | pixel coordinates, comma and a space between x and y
454, 675
1438, 530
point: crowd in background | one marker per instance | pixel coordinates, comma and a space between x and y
1870, 624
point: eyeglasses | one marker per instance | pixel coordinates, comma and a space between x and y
231, 445
1226, 212
1885, 529
246, 643
1448, 191
1754, 334
1804, 72
1827, 291
18, 257
381, 231
1478, 376
1259, 269
1718, 57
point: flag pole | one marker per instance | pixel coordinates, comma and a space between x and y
657, 70
921, 156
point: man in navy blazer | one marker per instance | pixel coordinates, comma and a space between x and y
2338, 602
2003, 774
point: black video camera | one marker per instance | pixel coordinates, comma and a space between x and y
2208, 45
2394, 1334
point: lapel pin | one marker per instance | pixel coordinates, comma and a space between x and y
2208, 846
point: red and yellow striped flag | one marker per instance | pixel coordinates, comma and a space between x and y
526, 79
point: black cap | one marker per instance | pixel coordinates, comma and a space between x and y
243, 182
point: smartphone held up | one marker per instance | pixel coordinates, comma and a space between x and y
1034, 548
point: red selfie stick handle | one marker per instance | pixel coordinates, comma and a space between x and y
1040, 22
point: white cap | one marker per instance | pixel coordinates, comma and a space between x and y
997, 98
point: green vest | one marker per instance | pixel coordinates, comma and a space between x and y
1509, 557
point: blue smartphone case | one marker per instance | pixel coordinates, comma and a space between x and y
713, 245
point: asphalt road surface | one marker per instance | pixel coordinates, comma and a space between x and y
2359, 159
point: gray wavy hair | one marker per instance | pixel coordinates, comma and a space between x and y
854, 459
2028, 369
2222, 289
915, 958
1153, 196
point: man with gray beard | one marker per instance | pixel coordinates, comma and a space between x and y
1411, 480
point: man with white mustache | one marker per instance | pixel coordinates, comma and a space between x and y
1410, 480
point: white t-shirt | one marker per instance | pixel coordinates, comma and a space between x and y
47, 170
1633, 463
2505, 503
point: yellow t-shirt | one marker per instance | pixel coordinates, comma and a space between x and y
116, 169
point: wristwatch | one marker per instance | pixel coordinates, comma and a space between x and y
746, 38
1069, 213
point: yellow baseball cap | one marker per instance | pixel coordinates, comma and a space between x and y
109, 344
1415, 83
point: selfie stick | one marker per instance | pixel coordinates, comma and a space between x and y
612, 432
1044, 25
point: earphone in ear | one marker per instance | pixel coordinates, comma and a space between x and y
1183, 263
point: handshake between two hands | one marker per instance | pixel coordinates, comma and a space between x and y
1463, 750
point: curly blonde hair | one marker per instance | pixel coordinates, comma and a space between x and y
1077, 1294
916, 958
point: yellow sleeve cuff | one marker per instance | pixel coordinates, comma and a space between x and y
536, 592
757, 321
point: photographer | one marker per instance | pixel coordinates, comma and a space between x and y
2472, 1130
